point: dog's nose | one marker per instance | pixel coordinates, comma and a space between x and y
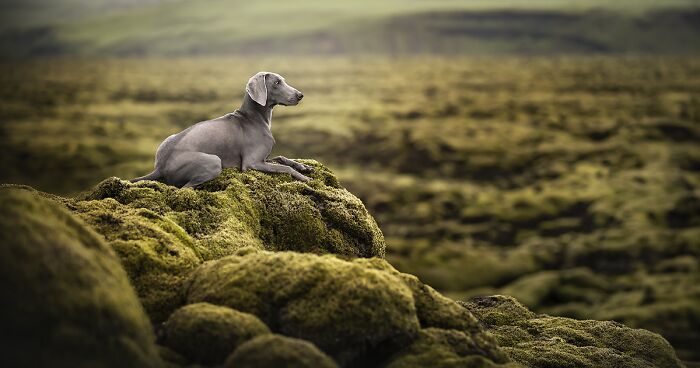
300, 96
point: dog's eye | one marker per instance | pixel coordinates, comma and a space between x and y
277, 82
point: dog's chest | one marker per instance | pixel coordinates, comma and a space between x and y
262, 142
257, 135
253, 144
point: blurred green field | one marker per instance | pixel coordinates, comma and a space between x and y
30, 28
570, 183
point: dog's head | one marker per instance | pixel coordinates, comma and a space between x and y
270, 89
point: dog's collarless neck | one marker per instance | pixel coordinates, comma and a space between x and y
254, 118
252, 111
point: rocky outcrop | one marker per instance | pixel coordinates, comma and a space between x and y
254, 270
162, 233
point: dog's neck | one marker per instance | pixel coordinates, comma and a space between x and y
256, 112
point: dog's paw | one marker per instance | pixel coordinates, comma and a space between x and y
306, 168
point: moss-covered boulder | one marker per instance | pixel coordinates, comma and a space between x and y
440, 348
207, 334
543, 341
664, 299
273, 351
319, 216
162, 233
360, 311
66, 300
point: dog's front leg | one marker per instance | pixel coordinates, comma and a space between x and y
274, 168
293, 164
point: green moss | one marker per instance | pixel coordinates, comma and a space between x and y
544, 341
273, 351
663, 299
156, 253
575, 285
67, 301
436, 311
342, 307
683, 264
162, 233
360, 312
441, 348
319, 216
171, 358
205, 248
498, 310
207, 334
593, 167
673, 318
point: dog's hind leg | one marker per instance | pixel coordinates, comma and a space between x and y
189, 169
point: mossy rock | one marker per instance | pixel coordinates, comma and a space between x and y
162, 233
544, 341
156, 253
319, 216
436, 311
440, 348
273, 351
359, 312
207, 334
665, 300
343, 308
67, 301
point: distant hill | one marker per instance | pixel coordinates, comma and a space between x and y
232, 27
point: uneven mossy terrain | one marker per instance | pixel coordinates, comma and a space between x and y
569, 183
257, 302
359, 312
163, 233
538, 340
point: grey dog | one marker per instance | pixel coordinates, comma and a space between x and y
240, 139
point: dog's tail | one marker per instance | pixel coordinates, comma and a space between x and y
155, 175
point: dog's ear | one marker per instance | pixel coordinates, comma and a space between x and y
256, 88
